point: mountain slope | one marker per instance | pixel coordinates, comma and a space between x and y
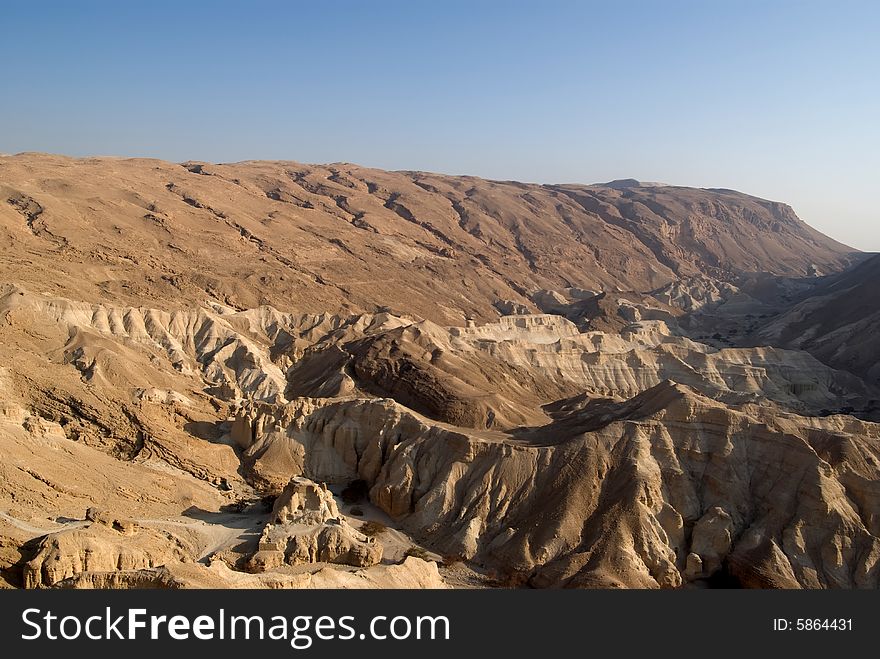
182, 344
838, 322
342, 237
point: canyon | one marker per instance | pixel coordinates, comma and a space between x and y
277, 375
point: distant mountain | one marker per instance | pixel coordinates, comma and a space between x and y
838, 323
268, 374
343, 237
624, 183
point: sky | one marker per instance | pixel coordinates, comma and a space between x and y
776, 99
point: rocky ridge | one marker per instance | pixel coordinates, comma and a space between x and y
247, 376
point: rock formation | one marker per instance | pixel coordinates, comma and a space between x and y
662, 489
306, 527
281, 375
102, 545
322, 238
837, 323
411, 573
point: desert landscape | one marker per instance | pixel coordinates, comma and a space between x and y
269, 374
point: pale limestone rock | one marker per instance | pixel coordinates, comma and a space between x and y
656, 486
511, 308
693, 566
99, 547
306, 527
675, 461
411, 573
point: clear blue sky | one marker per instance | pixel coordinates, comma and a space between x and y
778, 99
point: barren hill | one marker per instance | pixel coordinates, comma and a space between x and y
838, 322
326, 238
269, 374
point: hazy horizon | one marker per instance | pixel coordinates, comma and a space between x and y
775, 101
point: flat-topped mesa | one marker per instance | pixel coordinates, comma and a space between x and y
646, 332
536, 328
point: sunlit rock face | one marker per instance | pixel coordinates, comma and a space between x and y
288, 376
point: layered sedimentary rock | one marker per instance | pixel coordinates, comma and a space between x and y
326, 238
306, 527
584, 386
666, 488
837, 323
102, 545
488, 468
411, 573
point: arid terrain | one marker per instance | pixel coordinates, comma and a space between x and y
271, 374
